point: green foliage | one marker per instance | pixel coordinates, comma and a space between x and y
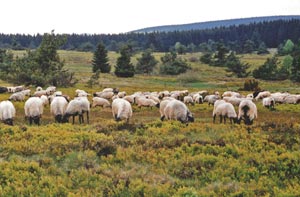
180, 48
288, 47
295, 74
172, 65
235, 66
268, 70
251, 85
124, 67
206, 58
262, 49
41, 67
146, 63
100, 60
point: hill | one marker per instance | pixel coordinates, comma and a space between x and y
214, 24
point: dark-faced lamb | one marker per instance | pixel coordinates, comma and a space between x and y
7, 112
177, 110
247, 112
121, 109
33, 110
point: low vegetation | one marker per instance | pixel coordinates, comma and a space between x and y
148, 157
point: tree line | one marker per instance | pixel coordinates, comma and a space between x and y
241, 38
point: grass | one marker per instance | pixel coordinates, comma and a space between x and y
150, 157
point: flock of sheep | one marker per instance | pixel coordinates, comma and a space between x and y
172, 105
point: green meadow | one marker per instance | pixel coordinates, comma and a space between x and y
148, 157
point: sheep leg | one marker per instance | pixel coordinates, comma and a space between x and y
30, 120
214, 118
73, 119
87, 117
221, 118
224, 119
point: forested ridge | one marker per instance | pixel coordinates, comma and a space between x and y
271, 33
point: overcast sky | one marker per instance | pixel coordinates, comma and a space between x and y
119, 16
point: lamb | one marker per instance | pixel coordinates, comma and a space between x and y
7, 112
97, 101
77, 106
58, 107
177, 110
247, 112
269, 102
121, 109
225, 110
17, 96
34, 109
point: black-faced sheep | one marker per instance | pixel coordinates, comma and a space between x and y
34, 109
58, 107
77, 107
247, 112
211, 99
269, 102
177, 110
225, 110
7, 112
121, 109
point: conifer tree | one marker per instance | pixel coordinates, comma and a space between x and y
100, 60
146, 63
124, 67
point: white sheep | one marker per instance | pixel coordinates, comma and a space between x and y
233, 100
40, 93
106, 95
45, 100
188, 100
121, 109
292, 99
17, 96
50, 90
77, 106
58, 107
247, 112
177, 110
211, 99
269, 102
162, 107
262, 95
231, 94
225, 110
130, 98
7, 112
97, 101
34, 109
145, 102
198, 98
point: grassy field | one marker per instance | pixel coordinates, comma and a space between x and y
147, 157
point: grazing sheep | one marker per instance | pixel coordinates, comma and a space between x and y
45, 100
97, 101
269, 102
162, 107
40, 93
188, 100
58, 107
177, 110
211, 99
233, 100
225, 110
121, 109
198, 98
26, 92
144, 102
231, 94
17, 96
39, 88
247, 112
130, 98
7, 112
34, 109
292, 99
262, 95
77, 106
279, 97
106, 95
121, 94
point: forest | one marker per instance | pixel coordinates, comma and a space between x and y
271, 33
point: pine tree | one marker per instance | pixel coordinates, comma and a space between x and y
124, 67
146, 63
236, 66
100, 60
